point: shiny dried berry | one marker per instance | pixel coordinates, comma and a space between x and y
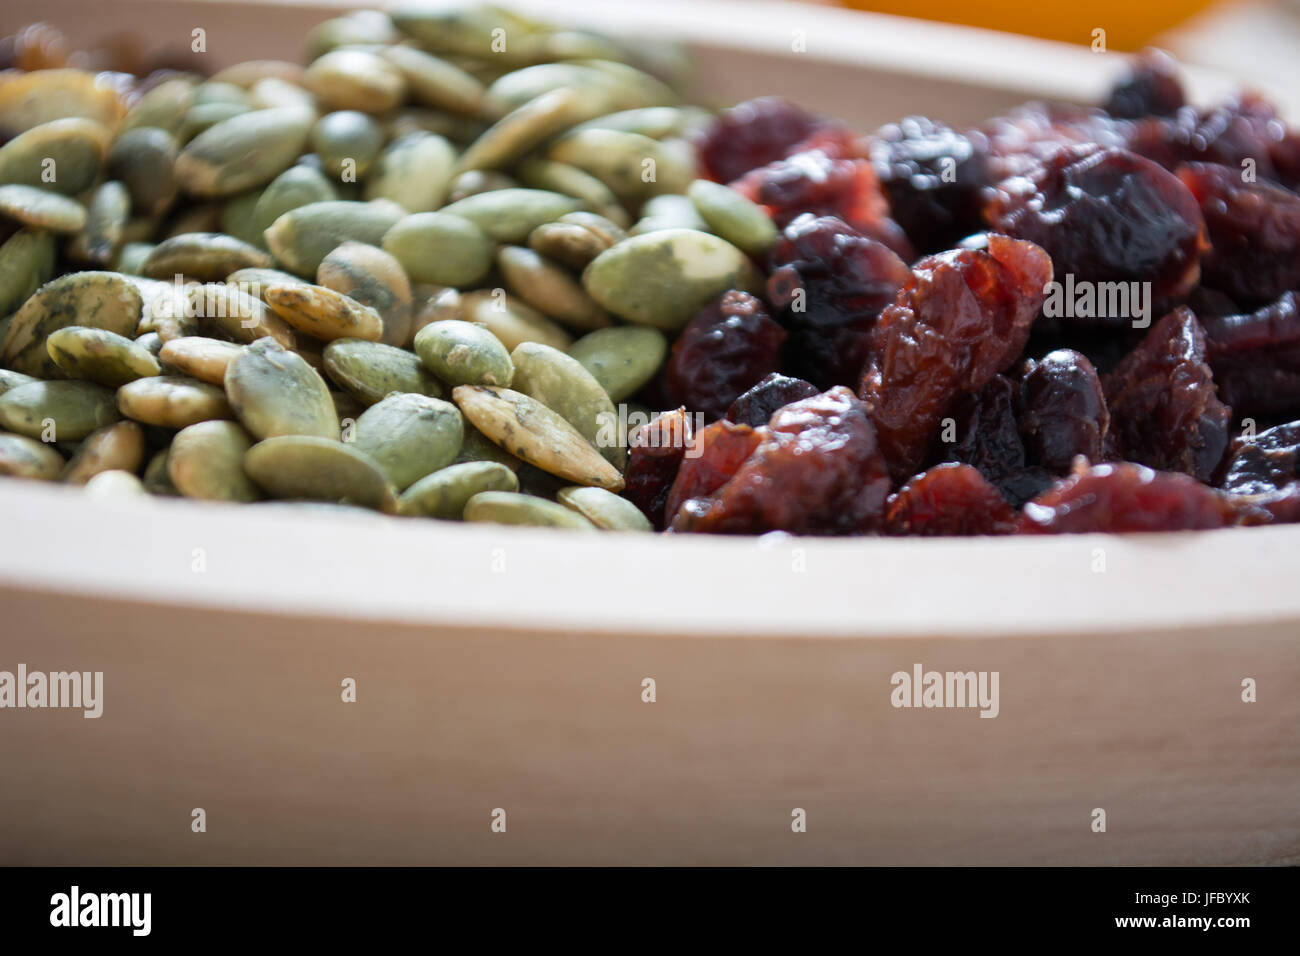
963, 317
1062, 410
829, 283
656, 454
1125, 497
1022, 139
1106, 215
1265, 462
719, 450
1165, 411
933, 176
1150, 87
949, 499
985, 430
1254, 228
817, 471
1256, 358
752, 134
728, 347
1243, 132
756, 406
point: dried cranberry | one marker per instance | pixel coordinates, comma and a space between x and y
962, 317
949, 499
829, 283
1254, 228
1125, 497
752, 134
987, 436
1165, 411
1264, 462
1106, 215
817, 471
656, 454
1021, 140
1150, 87
1062, 410
1244, 132
933, 176
1256, 358
756, 406
1280, 507
728, 347
718, 451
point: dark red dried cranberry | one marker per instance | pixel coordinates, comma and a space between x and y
656, 454
1150, 87
1254, 228
751, 134
718, 451
728, 347
1264, 462
933, 176
829, 283
1106, 215
818, 471
949, 499
756, 406
1022, 139
985, 432
1165, 411
963, 317
1062, 410
1256, 358
1125, 497
1279, 507
1243, 132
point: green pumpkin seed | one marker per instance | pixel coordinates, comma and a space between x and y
655, 122
369, 370
440, 248
604, 509
219, 91
172, 401
444, 493
509, 215
561, 384
633, 166
663, 278
304, 236
537, 173
524, 128
163, 107
41, 209
477, 181
272, 93
730, 215
355, 80
143, 159
478, 447
57, 411
549, 288
100, 356
64, 155
151, 342
242, 152
296, 186
461, 353
100, 300
572, 243
106, 218
164, 308
116, 447
201, 218
514, 89
206, 461
22, 457
622, 359
10, 379
131, 257
436, 82
374, 278
28, 99
26, 263
348, 143
156, 480
206, 256
238, 314
275, 392
203, 116
202, 358
505, 507
511, 320
358, 28
668, 212
536, 434
409, 436
457, 129
324, 313
414, 170
114, 484
253, 281
238, 218
250, 72
319, 469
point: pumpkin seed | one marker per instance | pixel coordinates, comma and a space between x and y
156, 480
302, 237
100, 300
348, 143
435, 82
219, 91
164, 308
242, 152
116, 447
663, 278
324, 313
374, 278
440, 248
409, 436
206, 256
319, 469
296, 186
444, 493
571, 242
114, 484
538, 173
10, 379
505, 507
144, 159
28, 99
414, 170
478, 447
370, 370
509, 215
58, 410
655, 122
172, 401
275, 392
22, 457
206, 461
64, 155
271, 92
668, 212
163, 107
360, 27
510, 320
253, 281
561, 384
730, 215
549, 288
477, 181
356, 80
198, 357
203, 116
106, 218
631, 165
26, 263
100, 356
41, 209
622, 359
236, 313
461, 353
131, 257
536, 434
514, 89
248, 73
458, 129
204, 217
525, 127
604, 509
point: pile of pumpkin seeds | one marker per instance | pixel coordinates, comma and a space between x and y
416, 275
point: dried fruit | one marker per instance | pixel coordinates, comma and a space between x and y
1256, 357
988, 439
750, 135
1264, 463
1125, 497
1150, 87
657, 450
1062, 410
756, 406
949, 499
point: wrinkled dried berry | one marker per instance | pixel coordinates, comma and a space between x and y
1062, 410
933, 176
818, 471
1165, 411
1106, 215
1265, 462
963, 317
656, 454
752, 134
1243, 132
1020, 141
719, 450
1150, 87
829, 283
724, 350
1254, 228
987, 436
756, 406
1256, 358
949, 499
1125, 497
